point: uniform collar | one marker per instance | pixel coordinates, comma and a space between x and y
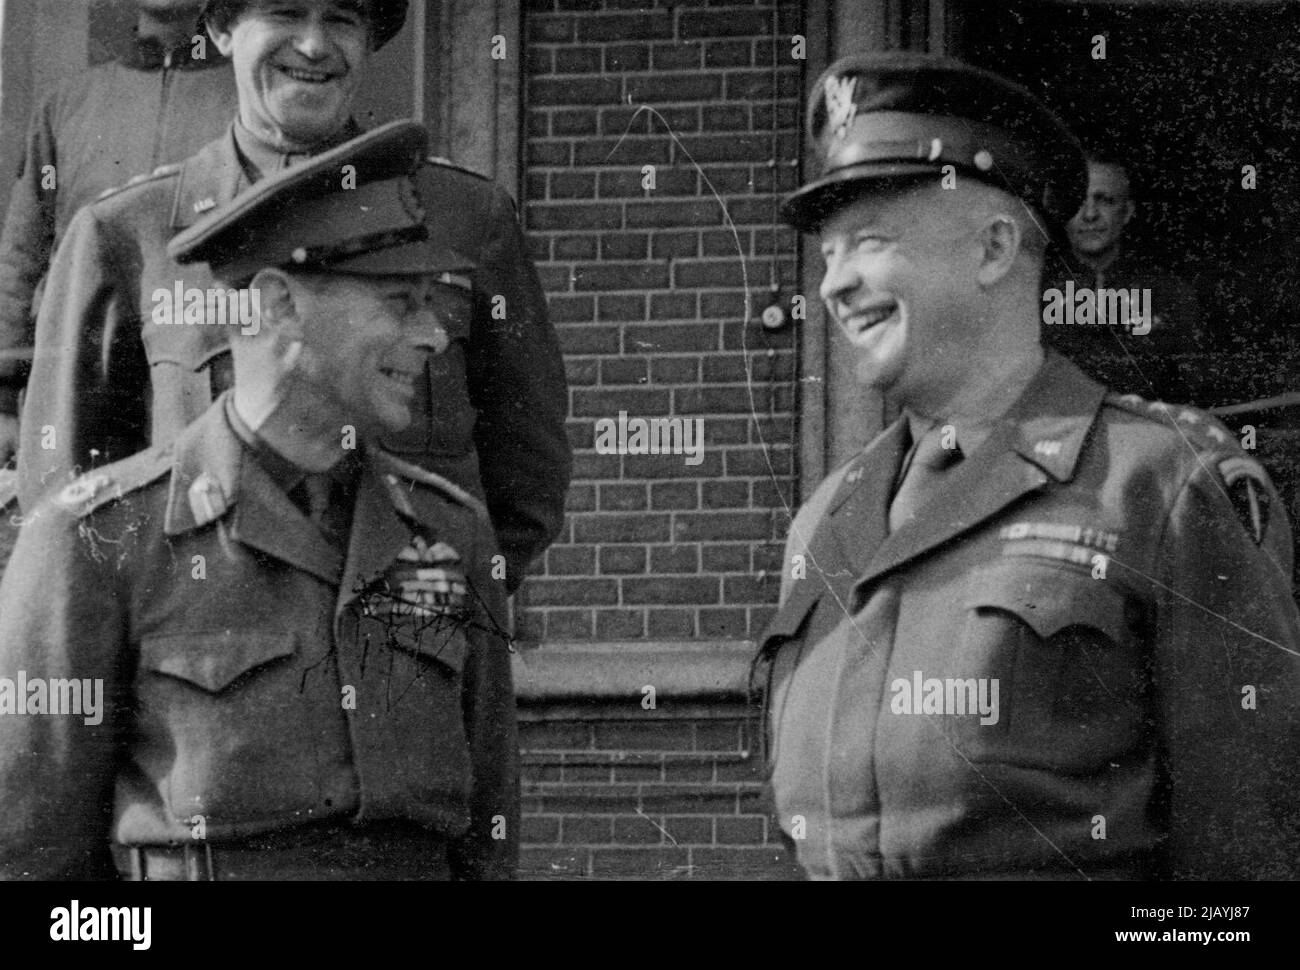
1050, 421
215, 479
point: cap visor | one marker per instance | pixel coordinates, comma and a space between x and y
813, 204
409, 259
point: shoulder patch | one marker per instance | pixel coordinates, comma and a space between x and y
1248, 487
162, 171
445, 162
96, 489
395, 470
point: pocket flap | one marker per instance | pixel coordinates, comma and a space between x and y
213, 661
1050, 599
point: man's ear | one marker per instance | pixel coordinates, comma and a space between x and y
277, 299
224, 40
1130, 209
1001, 241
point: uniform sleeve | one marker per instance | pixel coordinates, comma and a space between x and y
520, 391
25, 246
89, 383
1226, 673
58, 620
490, 849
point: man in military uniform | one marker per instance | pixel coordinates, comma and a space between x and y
161, 99
1034, 629
294, 633
117, 367
1151, 351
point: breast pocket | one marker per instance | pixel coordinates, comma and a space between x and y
227, 721
443, 415
1059, 652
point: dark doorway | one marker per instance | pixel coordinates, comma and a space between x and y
1187, 95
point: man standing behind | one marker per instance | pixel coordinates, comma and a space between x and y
1036, 629
164, 97
286, 642
120, 364
1154, 357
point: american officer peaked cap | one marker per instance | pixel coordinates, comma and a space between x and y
386, 16
352, 209
895, 115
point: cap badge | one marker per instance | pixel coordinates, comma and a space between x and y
841, 109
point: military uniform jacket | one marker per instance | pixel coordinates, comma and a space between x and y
1114, 567
253, 675
91, 133
113, 380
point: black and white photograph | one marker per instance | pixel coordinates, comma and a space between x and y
599, 441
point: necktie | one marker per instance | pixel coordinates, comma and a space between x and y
930, 461
326, 499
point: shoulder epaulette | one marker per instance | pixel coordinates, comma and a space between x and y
1241, 478
445, 162
1204, 431
97, 488
396, 469
162, 171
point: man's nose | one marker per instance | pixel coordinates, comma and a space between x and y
839, 280
313, 40
425, 331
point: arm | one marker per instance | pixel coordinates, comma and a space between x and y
517, 380
59, 618
489, 704
1226, 669
89, 383
25, 246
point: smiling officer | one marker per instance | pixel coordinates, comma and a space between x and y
108, 378
296, 631
1034, 629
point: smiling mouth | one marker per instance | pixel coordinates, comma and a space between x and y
304, 76
402, 378
863, 320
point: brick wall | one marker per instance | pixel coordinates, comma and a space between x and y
670, 794
647, 289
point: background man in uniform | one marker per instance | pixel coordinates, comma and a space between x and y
116, 371
1162, 363
1035, 629
296, 633
156, 102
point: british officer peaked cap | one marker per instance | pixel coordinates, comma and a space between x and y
353, 209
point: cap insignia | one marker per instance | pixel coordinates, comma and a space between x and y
841, 109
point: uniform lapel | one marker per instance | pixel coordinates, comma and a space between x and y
209, 178
1039, 440
859, 512
379, 534
214, 478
